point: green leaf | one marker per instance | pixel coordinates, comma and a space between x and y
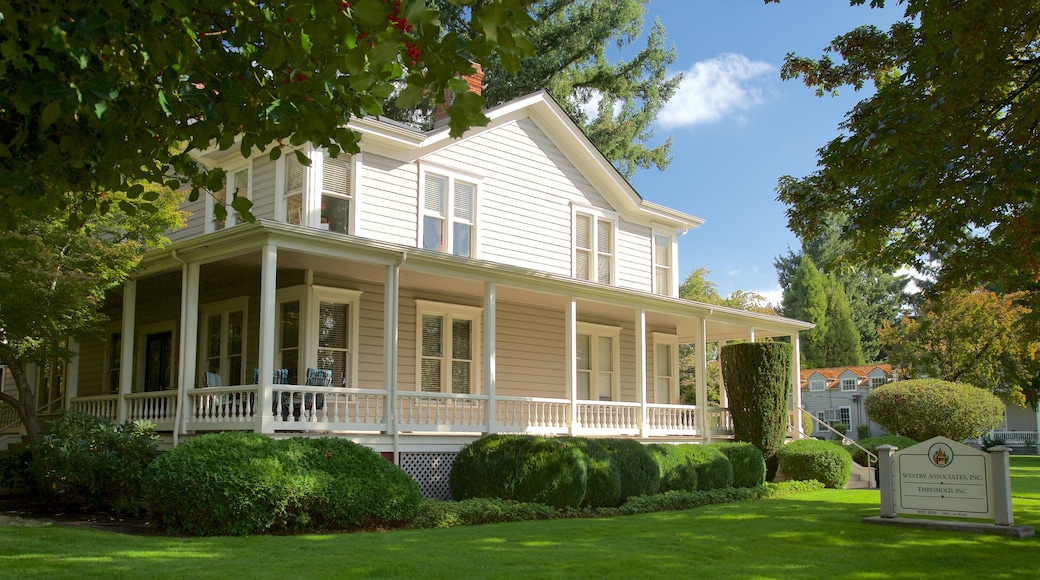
276, 152
135, 191
150, 195
302, 158
409, 96
50, 114
241, 204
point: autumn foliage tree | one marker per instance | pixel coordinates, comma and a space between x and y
975, 337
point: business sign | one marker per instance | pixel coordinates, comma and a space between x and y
941, 477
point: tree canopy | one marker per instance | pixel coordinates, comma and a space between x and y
106, 96
973, 337
53, 279
940, 163
815, 297
614, 101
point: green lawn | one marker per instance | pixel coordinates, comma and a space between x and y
811, 535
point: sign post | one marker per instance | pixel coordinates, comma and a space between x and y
941, 477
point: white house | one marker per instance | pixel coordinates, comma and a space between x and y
836, 395
417, 295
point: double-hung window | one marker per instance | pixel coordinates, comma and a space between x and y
224, 338
664, 271
593, 247
292, 189
236, 184
335, 333
849, 384
449, 344
336, 193
598, 362
448, 214
666, 356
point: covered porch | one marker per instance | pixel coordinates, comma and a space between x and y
229, 330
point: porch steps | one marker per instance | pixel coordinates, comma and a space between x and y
861, 477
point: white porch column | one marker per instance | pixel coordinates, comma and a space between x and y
268, 327
490, 302
71, 374
723, 395
751, 334
189, 341
391, 303
641, 370
701, 367
571, 359
126, 355
796, 391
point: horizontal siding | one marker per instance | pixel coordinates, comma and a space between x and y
530, 352
387, 200
264, 170
634, 256
91, 368
195, 225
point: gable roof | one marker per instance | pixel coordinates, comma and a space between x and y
833, 375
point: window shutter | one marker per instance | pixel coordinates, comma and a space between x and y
335, 174
436, 198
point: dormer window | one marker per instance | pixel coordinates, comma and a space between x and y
448, 215
849, 384
817, 385
593, 247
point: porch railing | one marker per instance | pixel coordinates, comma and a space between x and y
296, 408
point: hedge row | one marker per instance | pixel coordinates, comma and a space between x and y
824, 461
577, 472
247, 483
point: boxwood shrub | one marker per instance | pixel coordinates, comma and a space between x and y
924, 408
872, 443
749, 467
603, 480
713, 467
247, 483
823, 461
678, 471
640, 474
550, 471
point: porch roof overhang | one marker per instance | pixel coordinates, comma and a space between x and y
291, 240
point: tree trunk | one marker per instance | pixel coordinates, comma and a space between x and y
25, 403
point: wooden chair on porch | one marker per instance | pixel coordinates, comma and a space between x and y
281, 377
316, 378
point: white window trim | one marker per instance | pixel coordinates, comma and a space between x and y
855, 385
597, 215
229, 183
222, 307
816, 385
317, 185
599, 330
671, 341
673, 255
140, 333
838, 413
307, 204
310, 328
449, 232
448, 310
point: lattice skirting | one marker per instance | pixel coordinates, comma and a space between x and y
431, 470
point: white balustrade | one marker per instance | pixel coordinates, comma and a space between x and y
607, 417
328, 408
158, 407
719, 421
672, 420
447, 412
531, 415
106, 406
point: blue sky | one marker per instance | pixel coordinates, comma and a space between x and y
736, 126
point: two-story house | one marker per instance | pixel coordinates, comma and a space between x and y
837, 395
416, 295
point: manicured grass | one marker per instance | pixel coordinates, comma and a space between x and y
810, 535
1025, 476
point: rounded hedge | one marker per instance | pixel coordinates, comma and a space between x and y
678, 472
823, 461
603, 480
749, 466
246, 483
527, 468
872, 443
714, 470
925, 408
639, 472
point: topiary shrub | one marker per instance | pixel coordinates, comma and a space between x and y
807, 459
246, 483
749, 467
521, 467
872, 443
925, 408
83, 460
713, 467
678, 471
639, 472
758, 379
603, 479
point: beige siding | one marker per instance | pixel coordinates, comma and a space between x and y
387, 200
530, 352
264, 187
195, 225
91, 367
634, 268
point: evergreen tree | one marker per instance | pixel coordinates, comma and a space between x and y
806, 299
571, 40
841, 341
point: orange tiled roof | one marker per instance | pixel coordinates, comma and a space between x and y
832, 374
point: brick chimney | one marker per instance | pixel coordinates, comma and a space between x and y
476, 85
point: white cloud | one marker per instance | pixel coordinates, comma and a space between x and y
714, 88
773, 296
